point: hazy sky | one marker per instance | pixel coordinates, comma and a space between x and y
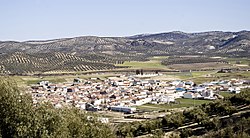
46, 19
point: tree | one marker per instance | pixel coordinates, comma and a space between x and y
137, 72
196, 115
156, 72
16, 114
19, 118
141, 71
242, 98
213, 124
174, 120
157, 134
219, 108
186, 132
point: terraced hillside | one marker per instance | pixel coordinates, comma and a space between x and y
101, 53
22, 63
235, 44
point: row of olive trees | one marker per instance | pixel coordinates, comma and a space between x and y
200, 115
221, 128
235, 128
203, 115
19, 118
138, 128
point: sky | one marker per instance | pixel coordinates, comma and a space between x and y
22, 20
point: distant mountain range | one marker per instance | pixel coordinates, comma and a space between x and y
94, 53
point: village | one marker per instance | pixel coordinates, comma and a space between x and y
124, 93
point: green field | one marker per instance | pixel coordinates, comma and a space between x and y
226, 94
244, 61
154, 63
202, 73
197, 76
183, 103
238, 74
24, 81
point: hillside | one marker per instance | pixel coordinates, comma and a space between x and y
235, 44
99, 53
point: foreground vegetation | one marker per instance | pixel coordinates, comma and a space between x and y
19, 118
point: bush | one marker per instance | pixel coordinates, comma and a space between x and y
184, 133
173, 121
196, 115
242, 98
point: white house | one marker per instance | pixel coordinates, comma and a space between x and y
190, 95
199, 89
234, 89
207, 93
179, 94
143, 101
176, 82
166, 99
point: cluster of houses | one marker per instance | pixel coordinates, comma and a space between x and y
124, 93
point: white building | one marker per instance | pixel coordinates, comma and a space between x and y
190, 95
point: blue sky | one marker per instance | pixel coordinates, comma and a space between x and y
47, 19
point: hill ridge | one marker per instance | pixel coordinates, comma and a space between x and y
107, 51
